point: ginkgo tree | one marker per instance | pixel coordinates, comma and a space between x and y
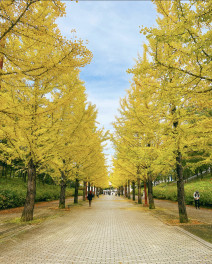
126, 144
167, 107
31, 43
186, 28
123, 171
184, 31
68, 121
94, 168
90, 158
77, 152
33, 75
139, 123
179, 48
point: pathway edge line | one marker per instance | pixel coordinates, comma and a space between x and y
200, 240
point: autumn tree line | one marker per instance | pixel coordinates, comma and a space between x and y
46, 123
164, 123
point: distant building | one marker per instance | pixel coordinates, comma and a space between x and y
110, 192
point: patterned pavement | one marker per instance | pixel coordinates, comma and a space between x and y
113, 230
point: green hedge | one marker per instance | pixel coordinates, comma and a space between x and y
169, 192
13, 193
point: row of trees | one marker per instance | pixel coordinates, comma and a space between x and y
164, 126
46, 123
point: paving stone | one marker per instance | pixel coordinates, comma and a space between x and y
113, 230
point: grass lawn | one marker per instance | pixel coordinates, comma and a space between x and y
168, 191
202, 231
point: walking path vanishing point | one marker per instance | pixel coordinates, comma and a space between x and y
113, 230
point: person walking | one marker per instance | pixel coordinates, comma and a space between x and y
196, 199
90, 196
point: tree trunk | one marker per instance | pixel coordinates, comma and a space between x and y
24, 176
139, 191
76, 191
180, 182
125, 190
150, 193
6, 171
27, 214
89, 187
145, 194
84, 190
2, 172
2, 43
62, 191
180, 191
128, 191
201, 174
133, 187
122, 190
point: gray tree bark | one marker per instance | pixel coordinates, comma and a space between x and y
62, 191
27, 214
133, 187
128, 190
150, 193
76, 191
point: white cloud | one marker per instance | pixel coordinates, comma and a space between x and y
107, 108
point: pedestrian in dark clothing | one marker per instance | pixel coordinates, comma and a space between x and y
196, 199
90, 196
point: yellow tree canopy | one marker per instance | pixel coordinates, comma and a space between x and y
39, 75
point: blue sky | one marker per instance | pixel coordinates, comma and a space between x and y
112, 31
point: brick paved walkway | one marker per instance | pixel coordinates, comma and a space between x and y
112, 231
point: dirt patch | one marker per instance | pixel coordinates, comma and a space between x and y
11, 210
176, 222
